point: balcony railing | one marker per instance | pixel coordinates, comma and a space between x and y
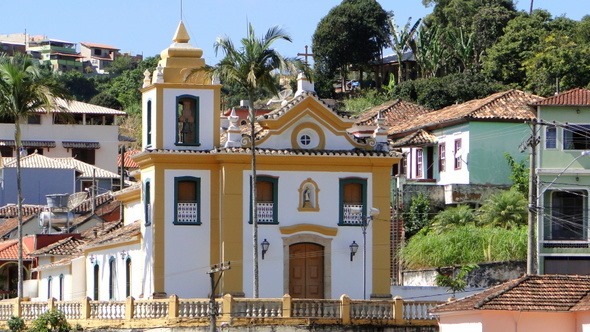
187, 212
175, 312
265, 212
352, 214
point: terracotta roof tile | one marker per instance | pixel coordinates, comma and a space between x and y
69, 246
417, 138
96, 45
511, 105
111, 235
283, 152
61, 262
293, 102
9, 250
574, 97
129, 163
556, 293
11, 210
87, 170
80, 107
393, 111
36, 160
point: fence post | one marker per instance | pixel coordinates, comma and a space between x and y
86, 308
16, 307
286, 306
129, 303
226, 307
50, 304
345, 309
173, 306
398, 309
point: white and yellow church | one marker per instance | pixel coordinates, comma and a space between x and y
317, 186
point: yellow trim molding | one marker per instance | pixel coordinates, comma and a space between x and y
327, 231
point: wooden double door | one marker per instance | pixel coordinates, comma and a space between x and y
306, 270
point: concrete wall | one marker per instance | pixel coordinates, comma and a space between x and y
488, 274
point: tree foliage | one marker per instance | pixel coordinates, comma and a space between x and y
418, 215
351, 34
439, 92
506, 209
461, 215
519, 174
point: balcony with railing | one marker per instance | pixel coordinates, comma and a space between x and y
352, 215
265, 212
187, 213
231, 312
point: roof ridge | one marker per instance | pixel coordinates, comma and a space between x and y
502, 291
496, 96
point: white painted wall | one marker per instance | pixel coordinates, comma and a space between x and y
332, 141
108, 136
186, 255
146, 277
343, 271
101, 258
207, 114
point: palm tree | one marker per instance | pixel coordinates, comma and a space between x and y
24, 90
400, 41
251, 66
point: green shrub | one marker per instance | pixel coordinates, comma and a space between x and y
16, 324
463, 245
505, 209
460, 215
51, 321
417, 216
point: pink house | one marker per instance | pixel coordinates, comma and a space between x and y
530, 303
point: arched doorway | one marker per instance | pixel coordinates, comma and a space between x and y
306, 270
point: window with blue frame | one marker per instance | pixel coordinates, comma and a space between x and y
267, 206
187, 120
353, 201
147, 203
149, 123
187, 198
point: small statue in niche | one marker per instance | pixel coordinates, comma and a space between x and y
307, 201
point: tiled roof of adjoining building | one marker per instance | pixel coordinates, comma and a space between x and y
293, 102
11, 210
9, 250
393, 111
87, 170
36, 160
281, 152
511, 105
114, 233
574, 97
417, 138
82, 108
69, 246
548, 293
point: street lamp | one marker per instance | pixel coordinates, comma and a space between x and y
265, 244
365, 220
354, 247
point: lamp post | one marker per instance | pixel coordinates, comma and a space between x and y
365, 220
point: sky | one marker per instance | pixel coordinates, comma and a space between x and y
147, 26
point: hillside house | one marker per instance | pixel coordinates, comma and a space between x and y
97, 57
563, 178
86, 132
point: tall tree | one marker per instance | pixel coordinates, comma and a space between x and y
251, 66
400, 41
352, 34
24, 90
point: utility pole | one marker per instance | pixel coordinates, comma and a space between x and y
532, 244
212, 304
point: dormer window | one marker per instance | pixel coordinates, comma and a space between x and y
187, 121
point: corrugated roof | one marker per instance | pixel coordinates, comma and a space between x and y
547, 293
573, 97
511, 105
